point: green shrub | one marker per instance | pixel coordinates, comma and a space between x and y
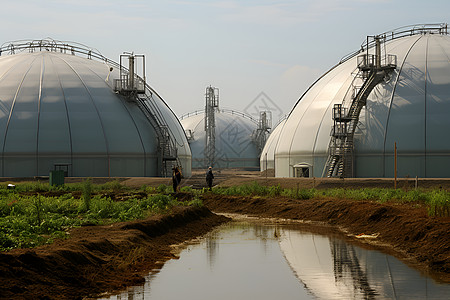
275, 190
147, 189
186, 189
196, 202
160, 202
114, 185
439, 204
162, 189
5, 241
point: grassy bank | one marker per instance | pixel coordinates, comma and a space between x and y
436, 201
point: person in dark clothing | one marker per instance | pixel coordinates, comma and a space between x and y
178, 175
209, 178
176, 178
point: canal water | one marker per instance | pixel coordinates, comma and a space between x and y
267, 260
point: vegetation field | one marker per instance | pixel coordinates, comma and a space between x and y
82, 239
33, 214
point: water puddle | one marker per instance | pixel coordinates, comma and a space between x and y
251, 260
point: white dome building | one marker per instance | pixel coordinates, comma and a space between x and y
59, 107
410, 108
234, 146
267, 159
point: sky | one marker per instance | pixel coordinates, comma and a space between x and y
259, 54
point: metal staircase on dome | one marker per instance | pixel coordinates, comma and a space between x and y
372, 69
135, 89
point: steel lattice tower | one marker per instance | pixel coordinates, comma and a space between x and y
212, 102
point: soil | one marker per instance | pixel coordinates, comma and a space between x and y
98, 259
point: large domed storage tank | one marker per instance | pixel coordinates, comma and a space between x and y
58, 107
410, 108
233, 139
267, 158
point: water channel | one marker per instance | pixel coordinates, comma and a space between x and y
266, 260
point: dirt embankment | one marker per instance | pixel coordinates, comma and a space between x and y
106, 258
100, 258
405, 231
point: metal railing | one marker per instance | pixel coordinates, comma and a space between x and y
220, 110
437, 28
51, 45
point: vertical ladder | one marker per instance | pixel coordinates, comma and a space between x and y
371, 71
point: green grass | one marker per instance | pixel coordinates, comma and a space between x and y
68, 187
250, 189
29, 218
436, 201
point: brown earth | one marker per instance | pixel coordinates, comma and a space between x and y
108, 258
96, 259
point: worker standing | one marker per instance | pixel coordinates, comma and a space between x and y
209, 178
176, 178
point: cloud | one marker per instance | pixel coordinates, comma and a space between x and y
267, 63
281, 12
296, 80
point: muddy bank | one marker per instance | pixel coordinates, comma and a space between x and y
100, 258
402, 230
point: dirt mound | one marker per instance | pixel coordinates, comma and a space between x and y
405, 231
328, 183
99, 258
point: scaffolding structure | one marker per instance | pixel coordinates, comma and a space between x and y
133, 87
212, 104
262, 131
372, 69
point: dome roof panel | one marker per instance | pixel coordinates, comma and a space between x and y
267, 157
233, 143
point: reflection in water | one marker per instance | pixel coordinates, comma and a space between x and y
346, 266
253, 261
333, 269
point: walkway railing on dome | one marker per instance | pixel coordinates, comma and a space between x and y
438, 28
73, 48
222, 110
51, 45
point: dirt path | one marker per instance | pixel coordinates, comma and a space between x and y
232, 177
